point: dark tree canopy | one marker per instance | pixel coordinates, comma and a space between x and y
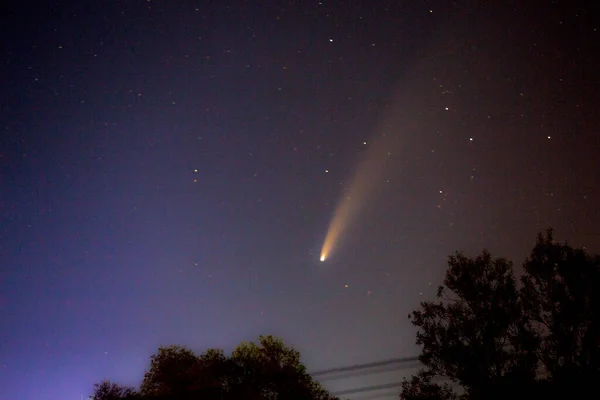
106, 390
267, 370
561, 300
494, 338
169, 372
421, 387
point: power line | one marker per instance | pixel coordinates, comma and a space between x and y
379, 396
355, 370
368, 388
372, 371
383, 366
357, 367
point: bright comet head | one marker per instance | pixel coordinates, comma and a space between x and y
374, 164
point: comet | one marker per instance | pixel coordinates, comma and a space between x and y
370, 171
396, 133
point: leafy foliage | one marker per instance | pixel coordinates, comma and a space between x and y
563, 307
107, 390
169, 372
267, 370
272, 370
421, 387
490, 337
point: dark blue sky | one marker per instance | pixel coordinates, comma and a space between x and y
168, 171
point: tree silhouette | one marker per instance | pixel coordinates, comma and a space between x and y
421, 387
464, 335
491, 337
272, 370
169, 373
255, 371
107, 390
562, 302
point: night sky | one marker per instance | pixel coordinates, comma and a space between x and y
169, 171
